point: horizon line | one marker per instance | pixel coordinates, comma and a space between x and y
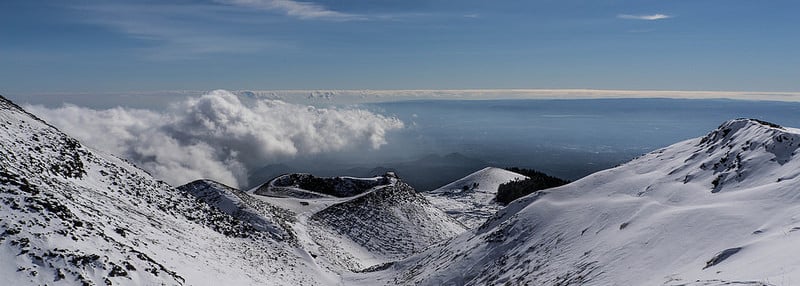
382, 95
404, 89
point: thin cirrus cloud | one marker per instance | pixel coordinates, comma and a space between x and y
644, 17
175, 31
179, 31
301, 10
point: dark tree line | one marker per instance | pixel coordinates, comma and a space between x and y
516, 189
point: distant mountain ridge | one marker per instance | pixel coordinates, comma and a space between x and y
426, 173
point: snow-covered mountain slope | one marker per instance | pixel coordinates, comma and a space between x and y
719, 210
470, 200
242, 206
349, 224
70, 215
390, 222
723, 209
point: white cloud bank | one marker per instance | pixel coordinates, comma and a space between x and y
652, 17
217, 135
369, 96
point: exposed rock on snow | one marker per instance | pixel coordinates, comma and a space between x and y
392, 221
349, 224
261, 215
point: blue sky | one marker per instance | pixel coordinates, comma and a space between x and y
94, 46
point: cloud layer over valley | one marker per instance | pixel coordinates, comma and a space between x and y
219, 135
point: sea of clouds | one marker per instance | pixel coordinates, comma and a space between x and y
219, 135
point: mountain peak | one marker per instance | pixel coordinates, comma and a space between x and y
471, 200
747, 125
739, 137
389, 221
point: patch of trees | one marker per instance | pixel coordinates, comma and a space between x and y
536, 181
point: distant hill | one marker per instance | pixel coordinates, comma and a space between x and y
354, 223
471, 199
426, 173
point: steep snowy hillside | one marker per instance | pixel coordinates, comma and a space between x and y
349, 224
471, 200
242, 206
72, 216
719, 210
390, 222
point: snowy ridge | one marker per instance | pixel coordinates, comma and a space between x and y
261, 215
303, 185
471, 200
746, 153
342, 224
717, 210
70, 215
349, 224
390, 222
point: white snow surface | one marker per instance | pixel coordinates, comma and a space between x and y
386, 221
471, 200
723, 209
719, 210
70, 216
261, 215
